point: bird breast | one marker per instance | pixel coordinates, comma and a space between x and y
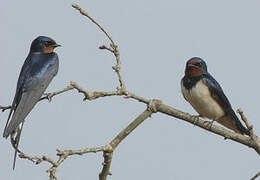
201, 100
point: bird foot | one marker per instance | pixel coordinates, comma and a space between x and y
196, 119
14, 144
209, 124
48, 96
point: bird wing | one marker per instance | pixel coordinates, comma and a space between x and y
19, 90
33, 81
28, 95
218, 94
27, 102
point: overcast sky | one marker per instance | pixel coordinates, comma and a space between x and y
155, 39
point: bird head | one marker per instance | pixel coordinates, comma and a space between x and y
195, 67
43, 44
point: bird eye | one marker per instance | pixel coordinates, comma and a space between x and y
47, 43
198, 64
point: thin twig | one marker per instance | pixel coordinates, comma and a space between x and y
113, 49
94, 95
50, 95
244, 118
37, 159
84, 13
83, 151
253, 136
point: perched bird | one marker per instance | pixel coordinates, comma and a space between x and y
39, 68
206, 96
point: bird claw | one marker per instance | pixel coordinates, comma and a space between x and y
14, 144
48, 96
209, 124
196, 119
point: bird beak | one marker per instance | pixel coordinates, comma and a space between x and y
56, 45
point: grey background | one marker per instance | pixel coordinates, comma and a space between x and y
155, 39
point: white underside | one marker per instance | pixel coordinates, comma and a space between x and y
200, 99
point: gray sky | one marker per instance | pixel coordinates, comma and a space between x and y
155, 39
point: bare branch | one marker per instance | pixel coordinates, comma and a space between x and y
62, 156
73, 85
117, 67
38, 160
34, 159
214, 129
106, 165
50, 95
244, 118
113, 49
124, 133
253, 136
47, 96
83, 151
94, 95
84, 13
107, 150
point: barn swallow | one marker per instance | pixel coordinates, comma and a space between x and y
206, 96
39, 68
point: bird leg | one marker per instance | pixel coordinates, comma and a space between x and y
14, 142
209, 123
196, 118
15, 137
